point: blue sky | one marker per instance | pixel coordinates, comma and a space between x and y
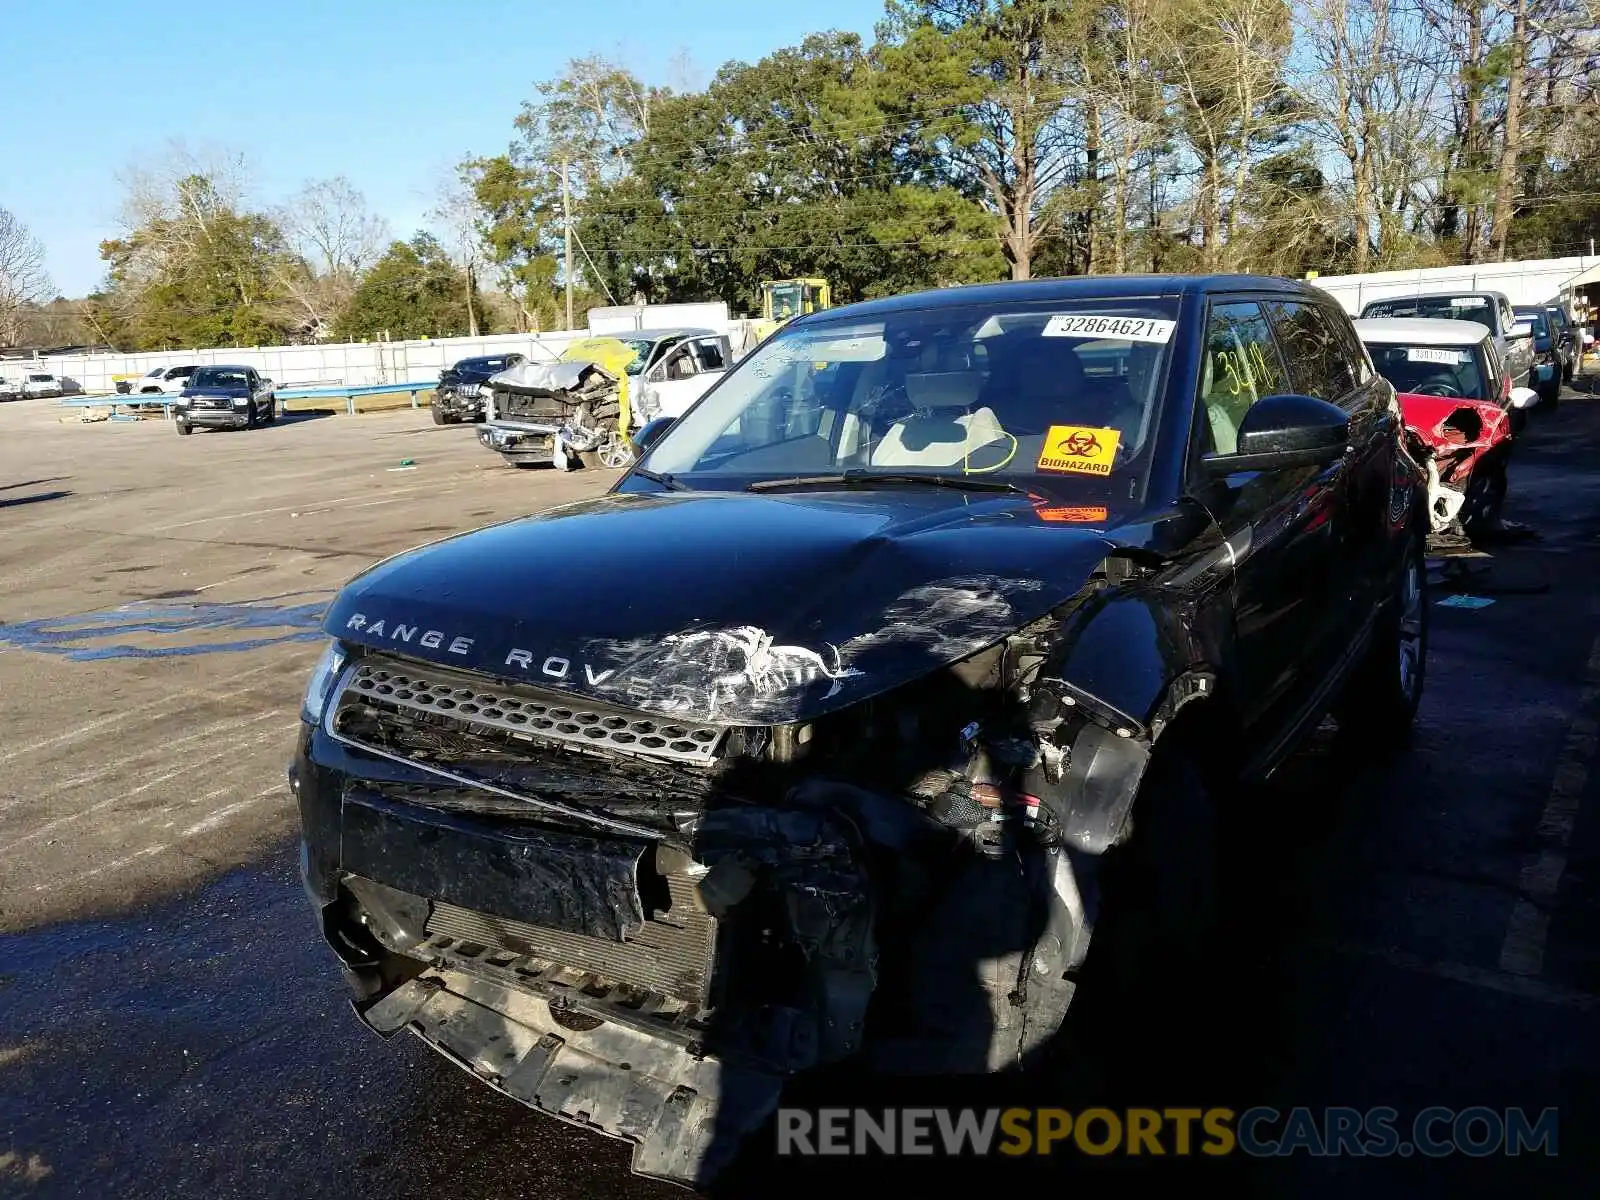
387, 93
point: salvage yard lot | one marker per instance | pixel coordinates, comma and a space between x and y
142, 747
1427, 931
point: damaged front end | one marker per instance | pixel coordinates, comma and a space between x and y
557, 413
1465, 447
648, 923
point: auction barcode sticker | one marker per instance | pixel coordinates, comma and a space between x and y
1127, 329
1447, 358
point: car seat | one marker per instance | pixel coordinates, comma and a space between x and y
944, 428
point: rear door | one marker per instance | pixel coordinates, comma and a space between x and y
1326, 360
1278, 525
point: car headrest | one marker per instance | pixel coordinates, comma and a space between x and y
943, 389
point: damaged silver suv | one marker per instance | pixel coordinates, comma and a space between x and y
881, 714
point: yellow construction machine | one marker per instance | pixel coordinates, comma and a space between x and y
784, 299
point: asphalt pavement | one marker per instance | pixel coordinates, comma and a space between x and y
1421, 931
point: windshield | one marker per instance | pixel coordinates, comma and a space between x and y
1535, 318
40, 378
641, 348
1446, 308
219, 377
786, 301
1451, 371
1063, 397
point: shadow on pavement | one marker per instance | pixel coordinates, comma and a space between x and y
40, 498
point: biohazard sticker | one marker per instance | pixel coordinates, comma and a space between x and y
1079, 449
1077, 514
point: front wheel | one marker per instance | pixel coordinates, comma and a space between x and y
272, 409
616, 452
184, 428
440, 417
1380, 701
1486, 496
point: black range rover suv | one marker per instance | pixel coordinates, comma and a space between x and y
882, 712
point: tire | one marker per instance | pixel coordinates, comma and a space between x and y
440, 417
250, 419
1486, 496
272, 409
1379, 703
1143, 986
184, 428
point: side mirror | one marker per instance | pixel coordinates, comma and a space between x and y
1522, 329
651, 434
1523, 397
1285, 431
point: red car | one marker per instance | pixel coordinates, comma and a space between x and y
1455, 392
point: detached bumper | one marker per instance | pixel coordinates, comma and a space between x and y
684, 1114
532, 441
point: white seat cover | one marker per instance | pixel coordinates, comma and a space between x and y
945, 430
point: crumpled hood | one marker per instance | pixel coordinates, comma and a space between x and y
743, 609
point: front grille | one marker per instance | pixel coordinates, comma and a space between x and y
529, 713
671, 955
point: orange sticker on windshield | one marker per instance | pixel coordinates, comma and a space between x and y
1082, 449
1082, 513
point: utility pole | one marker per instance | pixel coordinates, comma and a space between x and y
566, 220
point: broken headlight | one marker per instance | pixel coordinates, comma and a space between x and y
323, 676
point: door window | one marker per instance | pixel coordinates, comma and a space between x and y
1241, 366
709, 353
1319, 364
679, 364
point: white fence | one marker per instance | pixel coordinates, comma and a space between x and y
352, 364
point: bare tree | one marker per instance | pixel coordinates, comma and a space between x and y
335, 236
588, 117
24, 283
1225, 58
1370, 83
1511, 128
1121, 69
455, 216
330, 225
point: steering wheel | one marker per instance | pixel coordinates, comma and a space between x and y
1443, 390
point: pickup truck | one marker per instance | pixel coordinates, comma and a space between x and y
670, 370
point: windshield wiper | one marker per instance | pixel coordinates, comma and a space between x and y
666, 481
861, 478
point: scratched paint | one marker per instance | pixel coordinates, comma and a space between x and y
172, 628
